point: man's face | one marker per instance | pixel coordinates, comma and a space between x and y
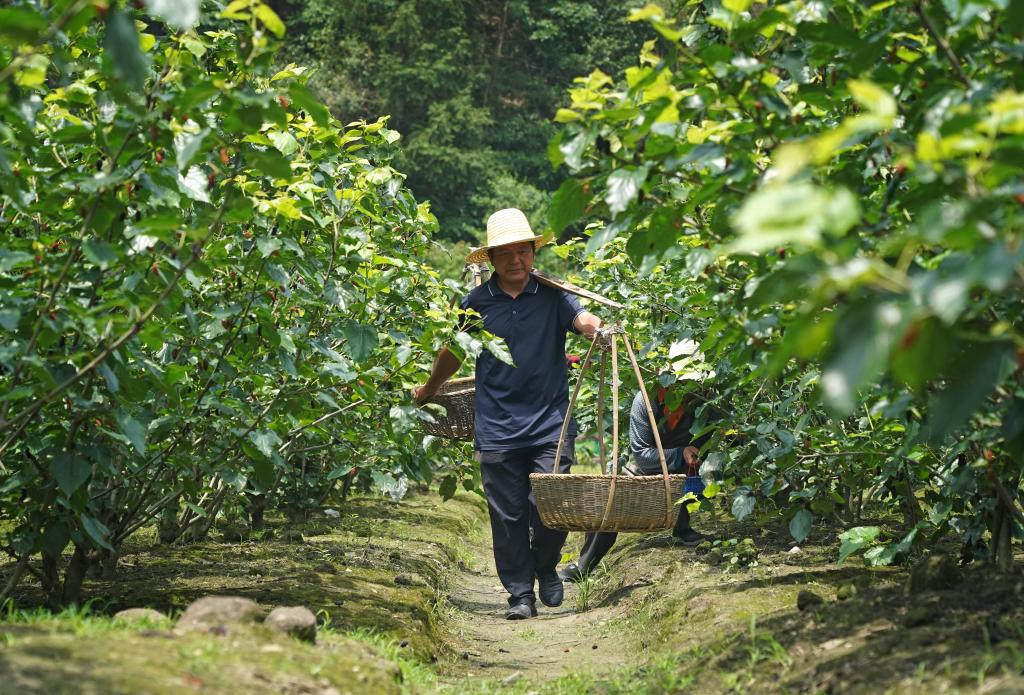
514, 262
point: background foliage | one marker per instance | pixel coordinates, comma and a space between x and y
827, 196
471, 86
201, 274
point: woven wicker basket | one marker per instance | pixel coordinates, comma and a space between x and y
457, 398
608, 502
578, 502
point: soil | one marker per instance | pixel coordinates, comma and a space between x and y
408, 601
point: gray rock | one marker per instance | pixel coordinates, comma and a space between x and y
934, 573
297, 621
808, 599
409, 580
139, 615
214, 613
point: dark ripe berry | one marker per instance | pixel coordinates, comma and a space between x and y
247, 234
226, 323
159, 156
758, 104
155, 268
835, 77
797, 118
1020, 358
211, 180
1020, 198
224, 158
989, 455
17, 171
781, 251
101, 9
283, 101
139, 5
900, 169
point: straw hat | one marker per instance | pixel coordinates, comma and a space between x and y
505, 227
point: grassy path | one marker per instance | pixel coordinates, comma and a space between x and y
493, 652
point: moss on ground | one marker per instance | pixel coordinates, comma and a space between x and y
377, 571
695, 627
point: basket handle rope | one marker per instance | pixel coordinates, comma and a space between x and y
654, 429
613, 331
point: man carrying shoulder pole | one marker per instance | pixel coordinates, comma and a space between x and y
519, 410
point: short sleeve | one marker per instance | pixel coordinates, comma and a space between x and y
569, 308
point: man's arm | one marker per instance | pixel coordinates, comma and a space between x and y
641, 440
445, 364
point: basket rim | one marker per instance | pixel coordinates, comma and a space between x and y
619, 478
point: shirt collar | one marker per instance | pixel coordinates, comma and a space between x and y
492, 285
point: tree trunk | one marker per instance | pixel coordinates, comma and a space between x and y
50, 580
74, 575
257, 507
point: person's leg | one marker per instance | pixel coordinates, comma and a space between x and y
682, 522
547, 543
596, 547
507, 486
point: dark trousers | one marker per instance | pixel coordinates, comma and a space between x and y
523, 547
597, 545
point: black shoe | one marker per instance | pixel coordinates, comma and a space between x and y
689, 537
521, 610
550, 589
571, 573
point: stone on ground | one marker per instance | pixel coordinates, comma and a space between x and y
213, 613
808, 599
297, 621
139, 615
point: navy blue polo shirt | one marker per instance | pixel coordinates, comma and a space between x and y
523, 406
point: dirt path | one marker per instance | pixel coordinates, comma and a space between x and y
559, 641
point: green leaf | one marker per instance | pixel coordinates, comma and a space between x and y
800, 525
187, 146
9, 319
795, 214
269, 19
304, 99
266, 442
270, 162
284, 141
737, 6
360, 340
195, 185
448, 486
567, 205
623, 188
267, 245
97, 531
970, 379
134, 430
180, 14
9, 259
862, 340
100, 252
18, 26
122, 45
855, 539
1013, 428
70, 472
742, 504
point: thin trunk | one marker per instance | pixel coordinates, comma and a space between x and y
74, 575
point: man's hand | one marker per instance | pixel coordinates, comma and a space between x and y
421, 395
691, 455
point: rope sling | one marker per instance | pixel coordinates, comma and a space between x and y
608, 502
